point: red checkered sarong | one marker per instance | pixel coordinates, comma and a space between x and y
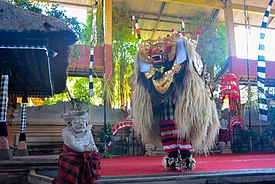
169, 133
169, 138
78, 168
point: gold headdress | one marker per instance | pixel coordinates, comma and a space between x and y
167, 45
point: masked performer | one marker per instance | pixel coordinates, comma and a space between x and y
80, 160
171, 102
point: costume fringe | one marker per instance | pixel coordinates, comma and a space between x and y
195, 114
147, 127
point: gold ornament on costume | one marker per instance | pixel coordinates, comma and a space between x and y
162, 85
153, 71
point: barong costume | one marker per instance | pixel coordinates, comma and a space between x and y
171, 102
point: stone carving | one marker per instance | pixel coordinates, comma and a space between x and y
77, 135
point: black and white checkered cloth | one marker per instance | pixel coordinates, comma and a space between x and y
262, 101
91, 84
26, 47
167, 110
93, 36
23, 118
3, 98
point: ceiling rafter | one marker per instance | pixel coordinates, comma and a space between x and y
145, 14
158, 18
218, 4
214, 15
258, 26
161, 30
252, 9
161, 20
202, 3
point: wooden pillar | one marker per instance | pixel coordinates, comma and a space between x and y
230, 34
107, 18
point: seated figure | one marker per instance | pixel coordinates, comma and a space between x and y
80, 160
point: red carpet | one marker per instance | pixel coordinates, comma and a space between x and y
144, 165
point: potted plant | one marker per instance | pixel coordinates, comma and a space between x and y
271, 116
106, 137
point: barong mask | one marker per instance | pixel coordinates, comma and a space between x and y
158, 63
158, 51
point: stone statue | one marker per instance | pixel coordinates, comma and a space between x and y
77, 135
80, 160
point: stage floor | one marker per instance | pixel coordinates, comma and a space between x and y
145, 165
256, 168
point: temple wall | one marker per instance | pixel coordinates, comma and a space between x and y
44, 123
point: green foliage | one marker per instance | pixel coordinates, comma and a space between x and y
245, 136
54, 11
271, 117
26, 4
212, 42
80, 88
116, 91
78, 91
106, 135
57, 12
124, 50
56, 98
75, 52
271, 114
99, 25
121, 24
88, 30
106, 155
250, 104
123, 58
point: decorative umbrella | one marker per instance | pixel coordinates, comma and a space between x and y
228, 77
229, 85
230, 88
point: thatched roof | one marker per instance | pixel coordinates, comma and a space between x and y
31, 71
16, 19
